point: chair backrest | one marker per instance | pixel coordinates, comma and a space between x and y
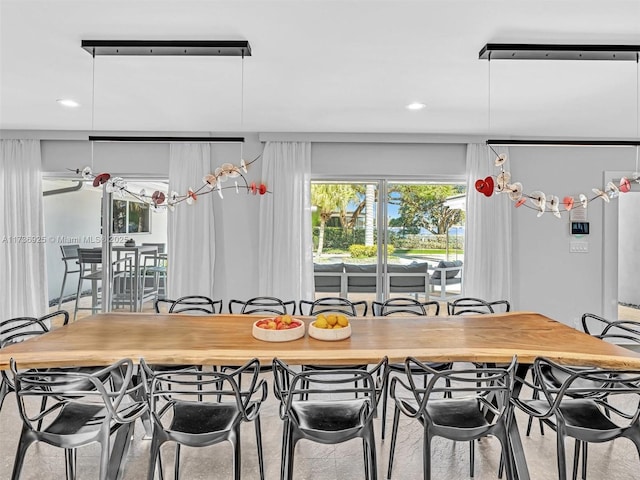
21, 328
110, 387
90, 256
332, 304
168, 387
194, 304
594, 324
490, 387
561, 382
69, 252
328, 385
473, 306
403, 305
266, 305
160, 246
622, 330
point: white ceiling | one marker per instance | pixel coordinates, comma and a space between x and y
320, 66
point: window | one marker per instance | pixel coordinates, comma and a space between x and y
131, 217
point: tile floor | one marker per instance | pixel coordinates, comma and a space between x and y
616, 460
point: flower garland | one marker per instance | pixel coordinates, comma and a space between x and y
158, 201
541, 202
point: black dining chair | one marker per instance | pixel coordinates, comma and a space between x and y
475, 306
262, 305
318, 406
84, 408
198, 409
403, 306
332, 305
591, 405
193, 304
22, 328
466, 408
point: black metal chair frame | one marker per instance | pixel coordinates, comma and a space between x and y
409, 306
310, 410
263, 305
190, 303
332, 304
576, 403
20, 329
86, 408
470, 305
484, 408
199, 409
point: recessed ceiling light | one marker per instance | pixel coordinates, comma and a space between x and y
416, 106
67, 102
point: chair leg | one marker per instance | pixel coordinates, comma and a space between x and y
562, 461
291, 446
367, 461
394, 435
576, 459
385, 394
371, 454
4, 390
75, 310
153, 458
70, 463
472, 457
259, 444
237, 458
283, 454
176, 465
584, 460
64, 280
426, 455
26, 439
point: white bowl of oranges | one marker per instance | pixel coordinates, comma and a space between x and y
330, 327
282, 328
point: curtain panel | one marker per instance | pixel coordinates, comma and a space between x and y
487, 249
191, 245
23, 276
285, 257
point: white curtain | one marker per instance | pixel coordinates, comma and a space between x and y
487, 250
23, 273
191, 230
285, 259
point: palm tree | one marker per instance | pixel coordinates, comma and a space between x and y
330, 198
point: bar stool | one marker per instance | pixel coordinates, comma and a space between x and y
69, 256
90, 259
155, 265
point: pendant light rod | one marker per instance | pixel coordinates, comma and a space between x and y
117, 138
567, 143
228, 48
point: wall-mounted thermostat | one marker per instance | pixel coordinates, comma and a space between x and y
579, 228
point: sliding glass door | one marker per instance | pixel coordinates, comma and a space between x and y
377, 239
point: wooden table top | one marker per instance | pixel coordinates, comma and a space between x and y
226, 339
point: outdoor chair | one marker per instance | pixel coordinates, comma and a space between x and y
578, 402
90, 261
263, 305
154, 267
406, 306
473, 406
198, 409
85, 408
71, 265
318, 406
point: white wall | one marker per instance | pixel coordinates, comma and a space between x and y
547, 277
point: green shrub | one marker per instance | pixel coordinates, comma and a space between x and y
362, 251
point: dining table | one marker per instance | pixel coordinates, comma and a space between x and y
227, 339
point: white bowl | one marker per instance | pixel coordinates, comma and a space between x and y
329, 334
288, 335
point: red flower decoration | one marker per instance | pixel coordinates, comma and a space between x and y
262, 189
485, 186
253, 188
568, 203
101, 179
158, 197
520, 202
